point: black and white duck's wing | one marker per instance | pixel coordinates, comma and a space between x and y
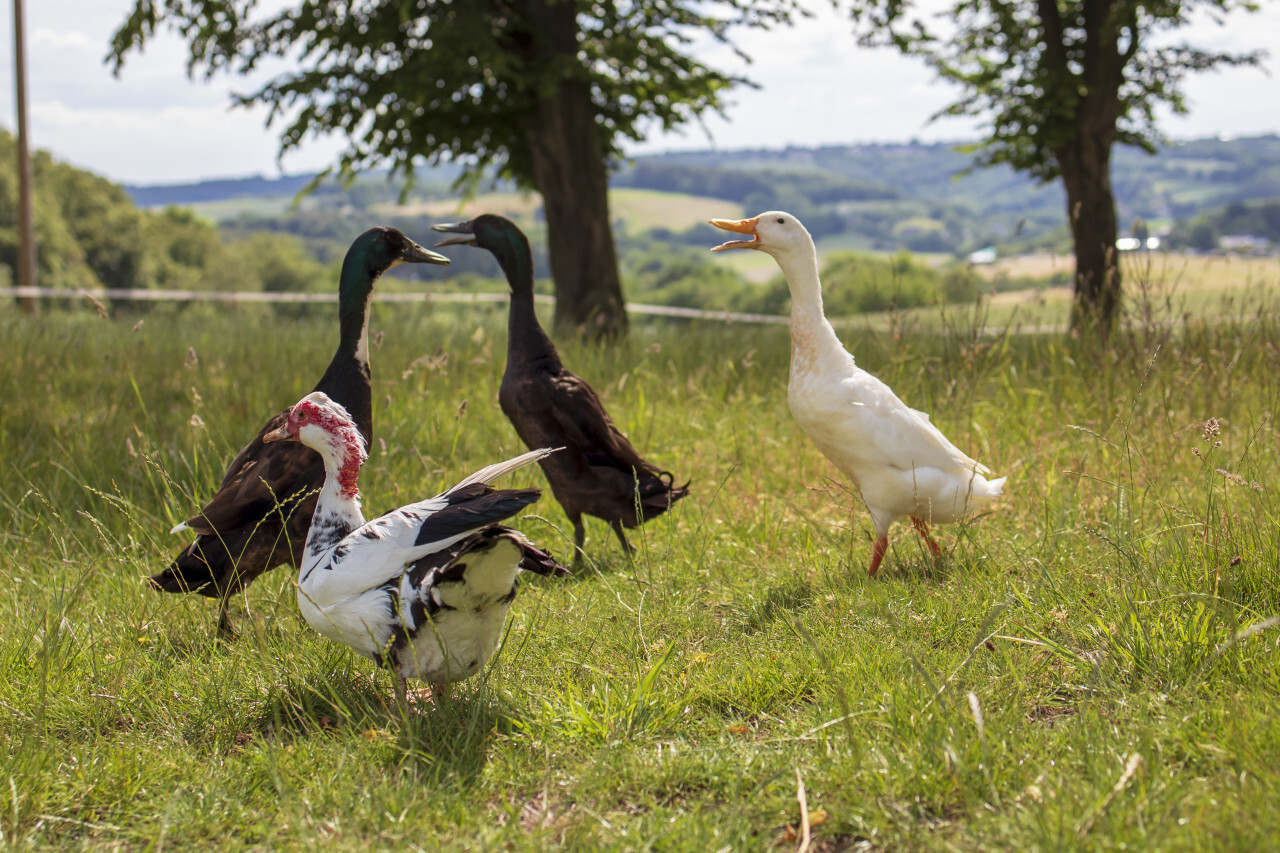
453, 604
379, 550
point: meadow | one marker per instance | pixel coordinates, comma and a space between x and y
1091, 665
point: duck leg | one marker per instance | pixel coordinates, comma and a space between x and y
579, 539
877, 554
923, 529
627, 547
226, 630
402, 693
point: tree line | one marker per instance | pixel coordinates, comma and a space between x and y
91, 235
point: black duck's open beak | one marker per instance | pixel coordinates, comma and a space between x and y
464, 228
738, 226
415, 254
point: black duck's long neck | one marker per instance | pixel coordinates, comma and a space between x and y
525, 337
347, 379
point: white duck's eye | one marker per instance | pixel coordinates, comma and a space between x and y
781, 221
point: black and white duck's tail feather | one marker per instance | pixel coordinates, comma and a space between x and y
534, 559
480, 570
500, 469
473, 507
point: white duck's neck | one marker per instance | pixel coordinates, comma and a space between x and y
338, 505
812, 337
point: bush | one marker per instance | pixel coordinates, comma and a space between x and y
854, 283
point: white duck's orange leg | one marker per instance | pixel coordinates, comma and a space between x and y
923, 529
877, 554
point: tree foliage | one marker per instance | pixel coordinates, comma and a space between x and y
1061, 81
1031, 67
455, 80
545, 92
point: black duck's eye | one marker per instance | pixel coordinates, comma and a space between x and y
781, 220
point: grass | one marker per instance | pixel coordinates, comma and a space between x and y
1093, 664
643, 210
1162, 288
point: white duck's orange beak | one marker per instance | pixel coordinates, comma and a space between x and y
738, 226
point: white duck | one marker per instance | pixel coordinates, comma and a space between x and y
425, 589
903, 465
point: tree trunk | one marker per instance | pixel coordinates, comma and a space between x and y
1091, 210
569, 170
26, 218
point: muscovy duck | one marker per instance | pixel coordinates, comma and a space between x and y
423, 590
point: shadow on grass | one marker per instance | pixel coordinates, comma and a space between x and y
792, 596
451, 738
918, 568
445, 738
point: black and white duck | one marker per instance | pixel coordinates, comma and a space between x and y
260, 516
423, 590
598, 473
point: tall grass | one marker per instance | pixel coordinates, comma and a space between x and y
1093, 664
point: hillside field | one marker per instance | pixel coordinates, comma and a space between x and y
1093, 664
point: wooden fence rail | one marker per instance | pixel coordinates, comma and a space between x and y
303, 298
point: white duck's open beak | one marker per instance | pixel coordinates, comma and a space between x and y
738, 226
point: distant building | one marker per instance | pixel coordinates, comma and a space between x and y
1133, 244
983, 257
1244, 244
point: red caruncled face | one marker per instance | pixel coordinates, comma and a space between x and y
346, 438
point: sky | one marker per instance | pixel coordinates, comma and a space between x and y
154, 125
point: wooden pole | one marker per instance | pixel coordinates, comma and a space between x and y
26, 176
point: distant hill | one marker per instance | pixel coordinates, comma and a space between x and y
219, 190
371, 188
914, 196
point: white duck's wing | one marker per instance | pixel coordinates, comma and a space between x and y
378, 551
897, 434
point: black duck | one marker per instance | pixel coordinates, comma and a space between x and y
598, 473
260, 516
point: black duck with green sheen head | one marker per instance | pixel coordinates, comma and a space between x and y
260, 516
598, 472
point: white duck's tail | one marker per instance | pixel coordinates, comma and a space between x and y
985, 489
489, 473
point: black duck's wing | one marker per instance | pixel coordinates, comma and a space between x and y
581, 417
261, 477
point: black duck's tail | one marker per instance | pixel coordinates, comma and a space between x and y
658, 492
217, 567
189, 572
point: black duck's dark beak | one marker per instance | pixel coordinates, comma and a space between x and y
415, 254
463, 228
